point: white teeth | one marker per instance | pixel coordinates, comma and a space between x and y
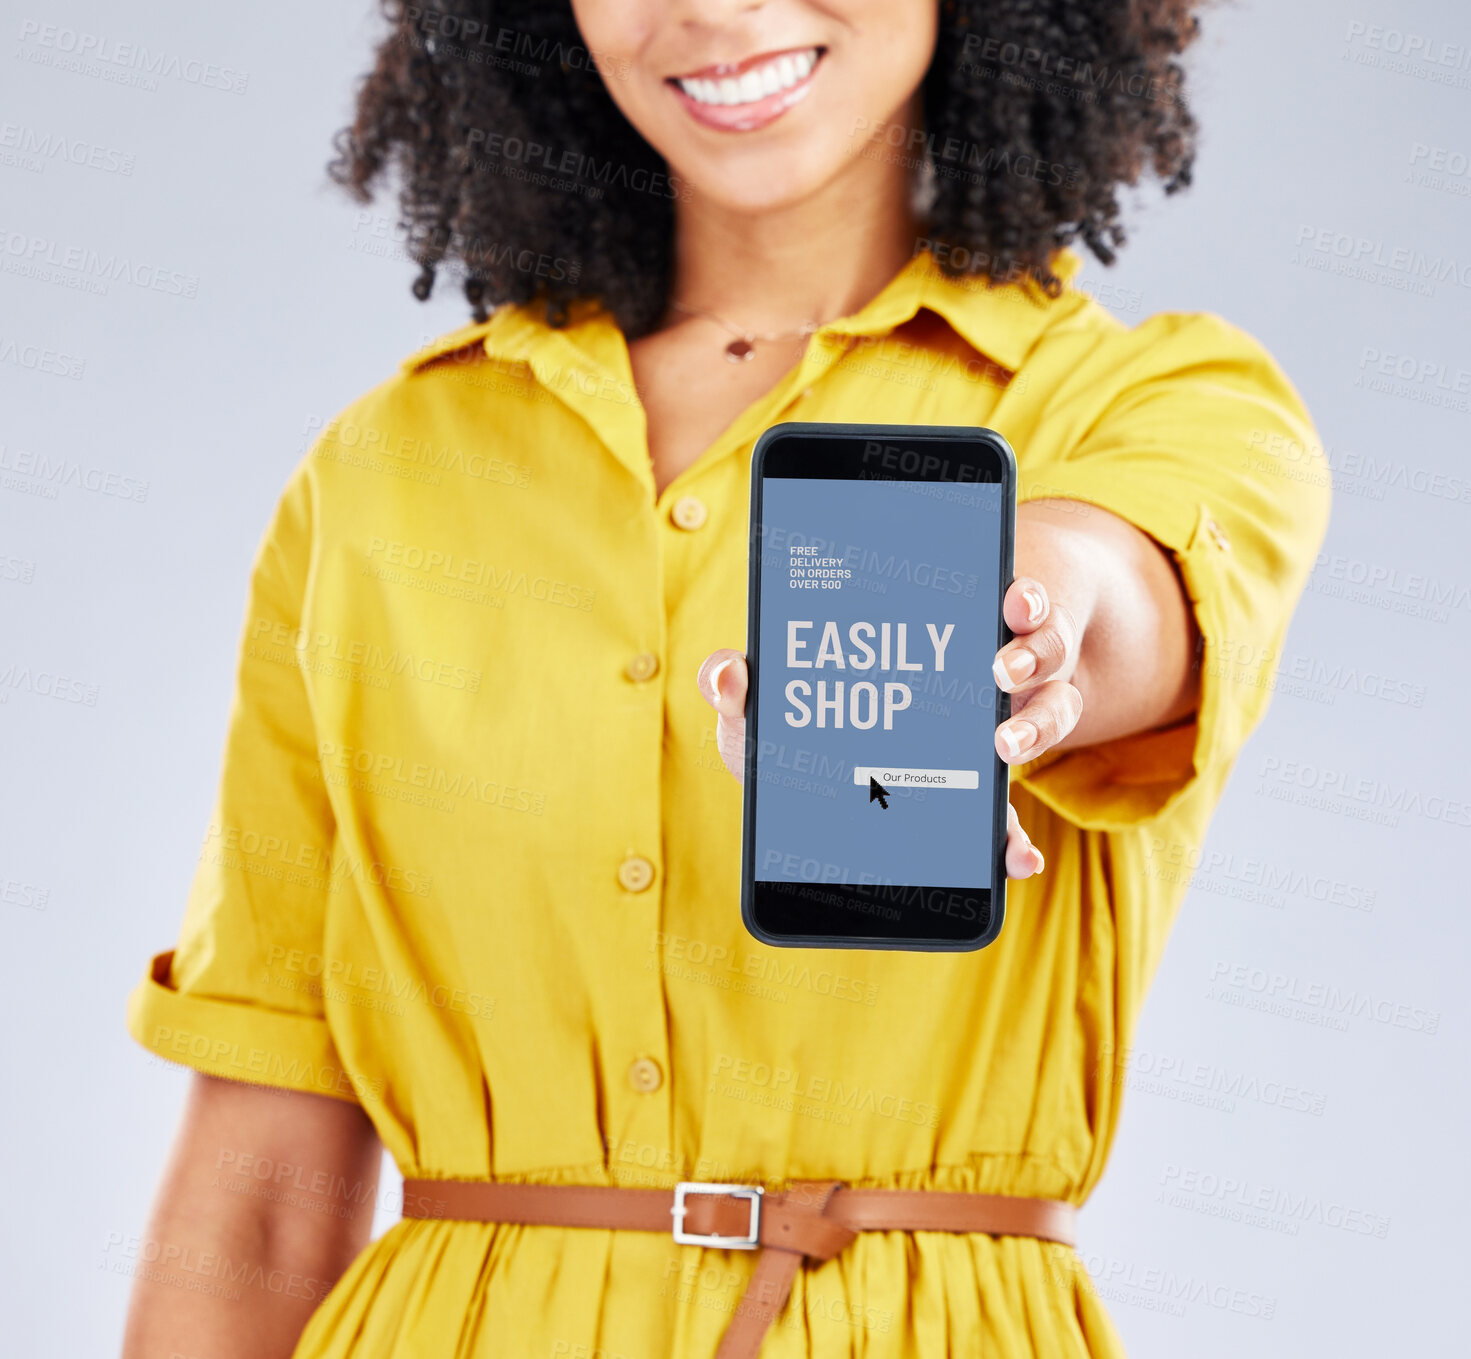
758, 83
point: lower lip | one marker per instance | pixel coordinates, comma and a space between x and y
746, 117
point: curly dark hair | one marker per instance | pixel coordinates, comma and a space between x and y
518, 171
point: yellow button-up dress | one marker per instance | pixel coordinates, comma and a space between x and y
474, 861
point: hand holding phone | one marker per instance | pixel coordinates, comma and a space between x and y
880, 557
723, 681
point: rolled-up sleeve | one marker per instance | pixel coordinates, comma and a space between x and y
239, 996
1204, 445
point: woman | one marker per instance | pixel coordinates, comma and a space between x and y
470, 889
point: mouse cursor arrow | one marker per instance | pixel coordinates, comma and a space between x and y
876, 791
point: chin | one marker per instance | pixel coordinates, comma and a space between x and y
767, 186
757, 178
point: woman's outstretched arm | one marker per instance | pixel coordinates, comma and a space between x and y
1113, 650
267, 1197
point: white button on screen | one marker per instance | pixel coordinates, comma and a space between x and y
916, 778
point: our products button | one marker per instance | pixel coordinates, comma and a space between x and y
889, 777
689, 512
642, 667
635, 873
644, 1076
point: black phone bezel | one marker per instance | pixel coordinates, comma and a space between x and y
1003, 465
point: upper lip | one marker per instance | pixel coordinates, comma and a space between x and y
720, 69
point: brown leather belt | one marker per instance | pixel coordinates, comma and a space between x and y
814, 1219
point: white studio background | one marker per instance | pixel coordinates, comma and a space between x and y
1322, 947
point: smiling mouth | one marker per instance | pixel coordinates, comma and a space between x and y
743, 85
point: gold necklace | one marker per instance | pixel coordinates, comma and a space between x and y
742, 349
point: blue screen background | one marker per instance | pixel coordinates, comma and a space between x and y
917, 553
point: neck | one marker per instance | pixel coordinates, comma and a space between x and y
810, 261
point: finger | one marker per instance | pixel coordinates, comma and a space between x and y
722, 680
1023, 858
1046, 715
730, 741
1048, 650
1026, 605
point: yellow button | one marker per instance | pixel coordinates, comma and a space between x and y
644, 1075
689, 512
642, 667
635, 873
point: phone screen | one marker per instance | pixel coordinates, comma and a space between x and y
876, 783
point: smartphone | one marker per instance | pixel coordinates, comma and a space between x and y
875, 802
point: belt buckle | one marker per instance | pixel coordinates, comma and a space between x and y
751, 1239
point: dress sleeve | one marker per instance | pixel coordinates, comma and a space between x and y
240, 995
1206, 447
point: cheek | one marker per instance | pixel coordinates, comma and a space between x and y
892, 50
616, 31
895, 65
618, 35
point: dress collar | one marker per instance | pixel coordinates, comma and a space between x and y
1001, 321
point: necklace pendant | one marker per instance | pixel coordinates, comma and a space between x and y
740, 351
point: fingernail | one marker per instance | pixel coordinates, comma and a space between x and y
1012, 667
715, 675
1041, 862
1036, 604
1017, 737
